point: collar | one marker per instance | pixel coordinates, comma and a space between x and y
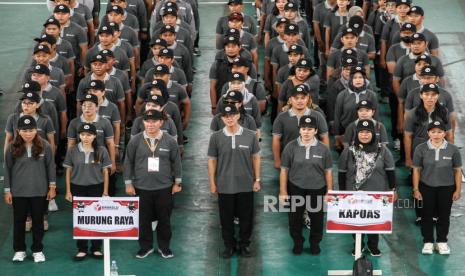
48, 88
81, 148
413, 56
160, 133
67, 24
113, 71
328, 6
404, 46
169, 84
59, 40
239, 131
248, 80
121, 26
107, 77
422, 29
280, 40
397, 20
292, 114
113, 47
176, 28
314, 143
414, 77
105, 102
36, 116
172, 47
55, 58
117, 43
125, 15
84, 120
171, 69
443, 146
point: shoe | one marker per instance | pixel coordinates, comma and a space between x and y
397, 144
19, 256
353, 250
28, 224
194, 70
427, 248
306, 219
185, 139
39, 257
315, 249
46, 223
52, 206
166, 253
154, 225
228, 252
374, 252
197, 51
80, 256
435, 220
245, 252
236, 220
442, 248
418, 221
297, 249
97, 254
144, 253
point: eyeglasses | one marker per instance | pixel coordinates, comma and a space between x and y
28, 103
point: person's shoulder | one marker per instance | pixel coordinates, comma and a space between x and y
248, 132
170, 138
453, 147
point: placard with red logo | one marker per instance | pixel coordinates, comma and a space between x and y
106, 217
360, 212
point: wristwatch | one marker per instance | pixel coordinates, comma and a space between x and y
257, 179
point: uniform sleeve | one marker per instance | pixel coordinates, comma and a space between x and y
125, 84
182, 95
409, 100
349, 134
390, 57
322, 126
214, 125
107, 129
129, 162
286, 157
418, 157
72, 130
403, 90
120, 96
61, 78
255, 146
212, 75
389, 164
80, 91
213, 147
386, 32
68, 162
253, 27
338, 113
142, 16
343, 160
457, 159
172, 128
7, 171
148, 76
327, 21
410, 121
267, 28
49, 129
434, 43
182, 78
82, 37
371, 44
268, 51
383, 137
449, 102
337, 44
278, 127
70, 52
115, 116
256, 113
282, 96
399, 70
219, 26
9, 127
317, 15
439, 67
105, 161
274, 56
123, 63
61, 103
50, 165
187, 66
328, 160
332, 62
260, 92
66, 69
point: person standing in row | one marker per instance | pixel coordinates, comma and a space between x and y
87, 166
437, 181
303, 159
28, 192
234, 172
152, 161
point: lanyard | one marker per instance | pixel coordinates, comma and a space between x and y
154, 147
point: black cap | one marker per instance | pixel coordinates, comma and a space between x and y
233, 32
408, 27
166, 52
41, 48
153, 115
348, 52
231, 39
290, 6
425, 58
349, 30
366, 104
295, 49
170, 11
233, 95
46, 38
96, 85
170, 5
307, 121
238, 2
429, 70
106, 29
418, 36
156, 99
61, 8
228, 109
26, 122
41, 69
116, 9
161, 69
356, 22
299, 89
237, 76
98, 57
348, 60
158, 41
365, 125
158, 84
291, 28
87, 127
240, 61
30, 86
437, 124
114, 26
90, 98
430, 88
404, 2
52, 21
357, 69
282, 20
304, 63
416, 10
32, 96
107, 53
167, 28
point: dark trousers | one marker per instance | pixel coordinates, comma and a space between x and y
315, 213
35, 206
436, 201
157, 203
240, 205
112, 184
274, 109
373, 240
88, 191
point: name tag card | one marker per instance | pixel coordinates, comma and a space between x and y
153, 164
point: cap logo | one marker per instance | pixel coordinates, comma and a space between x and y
154, 82
364, 102
349, 60
236, 75
423, 57
349, 29
416, 35
293, 47
86, 126
99, 56
227, 109
408, 26
61, 7
50, 20
432, 86
170, 10
88, 96
300, 89
291, 27
414, 9
427, 70
231, 38
349, 51
26, 85
154, 97
159, 68
92, 84
232, 94
29, 95
38, 67
304, 62
356, 25
308, 120
232, 30
365, 123
43, 36
165, 51
358, 68
27, 121
290, 5
436, 123
40, 46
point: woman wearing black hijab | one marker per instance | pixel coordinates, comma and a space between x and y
367, 165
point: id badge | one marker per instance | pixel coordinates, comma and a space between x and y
153, 164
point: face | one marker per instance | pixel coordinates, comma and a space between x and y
429, 98
152, 106
156, 50
418, 47
402, 10
169, 37
42, 58
391, 7
290, 14
307, 133
89, 108
235, 24
230, 120
110, 62
237, 85
164, 77
63, 18
232, 50
342, 3
364, 136
165, 60
365, 113
291, 38
115, 17
349, 41
152, 125
382, 3
122, 4
86, 138
98, 68
98, 93
52, 30
415, 19
42, 79
155, 91
106, 39
424, 80
240, 69
28, 134
169, 19
235, 8
294, 57
280, 5
345, 72
280, 29
436, 134
358, 80
302, 73
419, 66
299, 101
29, 107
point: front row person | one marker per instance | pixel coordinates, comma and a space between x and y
306, 171
30, 180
